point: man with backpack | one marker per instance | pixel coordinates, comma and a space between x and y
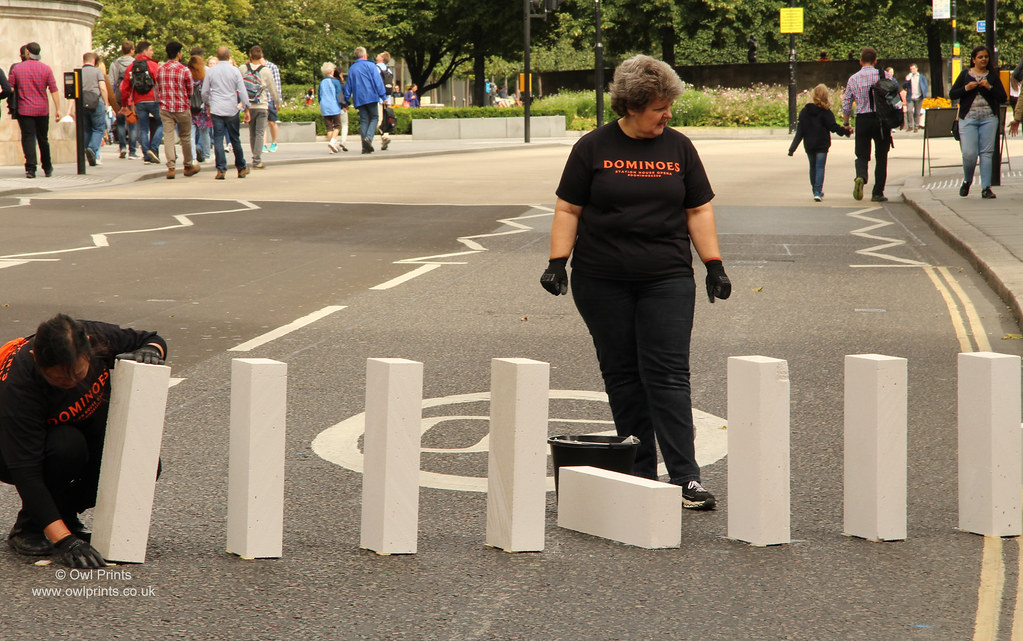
138, 91
94, 103
174, 81
387, 77
261, 88
127, 133
871, 125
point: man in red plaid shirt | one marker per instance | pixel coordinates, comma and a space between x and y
32, 80
175, 82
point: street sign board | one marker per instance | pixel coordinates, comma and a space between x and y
941, 10
792, 20
981, 26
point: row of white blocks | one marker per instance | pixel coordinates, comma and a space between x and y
990, 445
990, 470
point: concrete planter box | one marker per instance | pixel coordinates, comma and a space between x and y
289, 132
467, 128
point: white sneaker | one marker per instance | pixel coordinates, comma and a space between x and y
333, 146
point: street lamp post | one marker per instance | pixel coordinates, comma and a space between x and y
991, 41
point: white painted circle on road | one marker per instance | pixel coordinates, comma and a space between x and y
339, 444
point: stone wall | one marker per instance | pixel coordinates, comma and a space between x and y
63, 28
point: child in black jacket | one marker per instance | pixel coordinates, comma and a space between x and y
814, 127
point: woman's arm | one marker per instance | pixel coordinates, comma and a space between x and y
564, 228
703, 231
959, 89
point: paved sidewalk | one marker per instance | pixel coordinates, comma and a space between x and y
988, 232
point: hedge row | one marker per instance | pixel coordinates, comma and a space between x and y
405, 115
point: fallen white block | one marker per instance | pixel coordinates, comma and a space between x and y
131, 454
517, 462
875, 447
758, 450
989, 444
620, 507
390, 478
255, 484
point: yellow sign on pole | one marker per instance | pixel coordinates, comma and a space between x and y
792, 20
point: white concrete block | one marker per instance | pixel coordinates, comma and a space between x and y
620, 507
875, 447
390, 478
517, 463
131, 454
989, 444
758, 450
255, 482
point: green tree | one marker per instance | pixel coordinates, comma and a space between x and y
192, 22
300, 35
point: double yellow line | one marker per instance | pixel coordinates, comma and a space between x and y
992, 566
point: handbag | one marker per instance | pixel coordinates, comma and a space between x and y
129, 114
955, 129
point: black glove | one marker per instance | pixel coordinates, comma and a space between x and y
555, 278
718, 285
76, 553
149, 354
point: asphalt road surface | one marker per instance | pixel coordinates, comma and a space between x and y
436, 260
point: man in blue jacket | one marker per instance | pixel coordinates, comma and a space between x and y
365, 84
916, 90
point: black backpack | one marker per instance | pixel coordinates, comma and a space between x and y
195, 99
886, 102
141, 80
388, 77
388, 122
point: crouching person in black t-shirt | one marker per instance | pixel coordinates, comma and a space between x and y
54, 397
633, 195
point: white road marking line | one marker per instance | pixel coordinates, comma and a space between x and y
886, 243
419, 271
286, 329
103, 240
429, 263
339, 443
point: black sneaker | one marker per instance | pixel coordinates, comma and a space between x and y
879, 198
696, 497
29, 541
964, 191
90, 155
987, 193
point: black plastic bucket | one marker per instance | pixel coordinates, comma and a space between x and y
615, 453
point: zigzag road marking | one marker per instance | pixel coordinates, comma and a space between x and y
430, 263
887, 243
103, 240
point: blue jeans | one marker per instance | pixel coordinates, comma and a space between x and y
95, 125
818, 159
977, 138
369, 116
229, 126
641, 330
150, 138
200, 142
127, 135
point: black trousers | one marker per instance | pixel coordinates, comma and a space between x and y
35, 130
868, 130
71, 462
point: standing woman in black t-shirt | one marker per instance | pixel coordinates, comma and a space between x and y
632, 197
54, 397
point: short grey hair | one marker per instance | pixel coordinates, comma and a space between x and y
327, 69
641, 80
360, 52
